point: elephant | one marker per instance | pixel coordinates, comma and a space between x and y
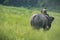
38, 21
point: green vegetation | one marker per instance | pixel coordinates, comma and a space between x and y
51, 4
14, 25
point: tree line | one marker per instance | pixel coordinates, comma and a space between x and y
30, 3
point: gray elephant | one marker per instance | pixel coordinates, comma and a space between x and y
41, 21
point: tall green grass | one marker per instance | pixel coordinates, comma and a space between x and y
14, 25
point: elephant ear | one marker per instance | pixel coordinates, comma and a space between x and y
51, 19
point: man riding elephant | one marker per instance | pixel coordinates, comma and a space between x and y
49, 18
42, 20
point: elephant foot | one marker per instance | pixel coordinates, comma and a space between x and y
46, 28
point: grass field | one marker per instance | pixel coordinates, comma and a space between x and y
14, 25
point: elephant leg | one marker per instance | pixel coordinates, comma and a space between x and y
49, 26
44, 27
